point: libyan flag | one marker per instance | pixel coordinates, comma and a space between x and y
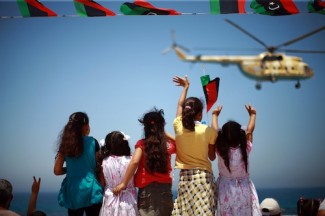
274, 7
227, 6
316, 6
34, 8
210, 89
89, 8
145, 8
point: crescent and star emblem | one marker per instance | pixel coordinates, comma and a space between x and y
273, 6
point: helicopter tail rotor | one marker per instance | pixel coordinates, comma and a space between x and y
174, 44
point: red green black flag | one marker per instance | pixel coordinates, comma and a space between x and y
145, 8
227, 6
34, 8
90, 8
316, 6
274, 7
210, 89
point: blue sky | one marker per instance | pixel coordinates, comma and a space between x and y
112, 68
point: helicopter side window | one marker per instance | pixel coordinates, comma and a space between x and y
272, 58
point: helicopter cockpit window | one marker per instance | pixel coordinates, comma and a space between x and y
307, 69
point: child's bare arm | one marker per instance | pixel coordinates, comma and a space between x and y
251, 123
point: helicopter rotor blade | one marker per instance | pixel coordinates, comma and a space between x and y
304, 51
167, 50
300, 37
246, 32
222, 49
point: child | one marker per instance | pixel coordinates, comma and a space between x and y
151, 161
236, 192
80, 190
194, 147
117, 155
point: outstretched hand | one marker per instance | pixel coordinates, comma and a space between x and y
117, 190
217, 110
250, 109
180, 81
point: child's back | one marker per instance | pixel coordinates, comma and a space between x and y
237, 195
113, 170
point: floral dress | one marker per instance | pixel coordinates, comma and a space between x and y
236, 193
124, 204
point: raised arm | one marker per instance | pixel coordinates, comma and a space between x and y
33, 196
215, 115
179, 81
251, 123
132, 167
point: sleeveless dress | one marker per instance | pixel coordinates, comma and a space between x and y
125, 204
236, 193
80, 188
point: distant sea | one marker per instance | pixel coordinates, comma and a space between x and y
287, 198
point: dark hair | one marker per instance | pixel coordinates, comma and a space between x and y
191, 108
37, 213
71, 137
116, 144
155, 141
232, 135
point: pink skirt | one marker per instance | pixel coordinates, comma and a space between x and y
236, 196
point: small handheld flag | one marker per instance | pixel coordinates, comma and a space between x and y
210, 89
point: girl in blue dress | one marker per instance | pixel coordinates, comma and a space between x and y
80, 190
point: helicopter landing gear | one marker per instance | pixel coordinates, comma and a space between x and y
273, 79
258, 86
298, 85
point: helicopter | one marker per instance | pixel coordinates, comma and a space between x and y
267, 66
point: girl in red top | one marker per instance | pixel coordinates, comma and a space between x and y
151, 164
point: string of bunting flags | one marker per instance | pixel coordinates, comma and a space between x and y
90, 8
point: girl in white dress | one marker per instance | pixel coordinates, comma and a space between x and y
237, 195
117, 155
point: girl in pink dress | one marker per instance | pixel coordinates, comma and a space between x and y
117, 155
236, 193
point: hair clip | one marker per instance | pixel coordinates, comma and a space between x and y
188, 107
102, 142
125, 137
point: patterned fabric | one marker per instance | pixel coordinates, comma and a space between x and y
192, 147
196, 194
80, 188
156, 199
236, 163
236, 193
236, 197
125, 204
